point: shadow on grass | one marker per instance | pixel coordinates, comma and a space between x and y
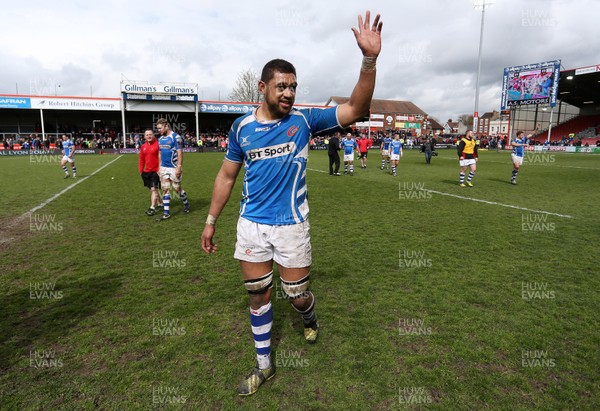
450, 182
29, 323
199, 203
501, 180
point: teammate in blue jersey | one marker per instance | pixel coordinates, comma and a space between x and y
68, 149
349, 146
385, 152
170, 159
271, 143
395, 152
518, 153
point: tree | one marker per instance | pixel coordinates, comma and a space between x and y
246, 87
466, 119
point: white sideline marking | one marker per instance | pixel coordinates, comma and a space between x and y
528, 163
495, 203
318, 171
481, 201
55, 196
17, 220
541, 164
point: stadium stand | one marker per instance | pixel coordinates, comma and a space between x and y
584, 128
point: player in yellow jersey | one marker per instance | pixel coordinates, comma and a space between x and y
467, 154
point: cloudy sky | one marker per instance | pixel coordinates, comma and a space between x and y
429, 53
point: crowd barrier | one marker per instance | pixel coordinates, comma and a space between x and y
54, 151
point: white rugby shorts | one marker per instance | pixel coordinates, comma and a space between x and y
517, 159
467, 162
288, 245
168, 173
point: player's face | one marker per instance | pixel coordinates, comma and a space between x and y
162, 129
279, 93
348, 136
149, 136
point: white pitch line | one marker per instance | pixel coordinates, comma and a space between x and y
318, 171
527, 163
55, 196
481, 201
498, 204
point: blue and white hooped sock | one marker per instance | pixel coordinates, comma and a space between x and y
262, 321
166, 202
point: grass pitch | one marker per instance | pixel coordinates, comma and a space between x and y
427, 299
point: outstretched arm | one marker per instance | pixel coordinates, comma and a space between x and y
368, 39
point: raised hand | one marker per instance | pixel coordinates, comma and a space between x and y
368, 37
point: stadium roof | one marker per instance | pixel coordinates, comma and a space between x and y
383, 106
581, 86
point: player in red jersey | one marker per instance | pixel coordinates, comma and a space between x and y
148, 167
363, 146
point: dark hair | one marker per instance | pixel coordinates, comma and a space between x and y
519, 133
282, 66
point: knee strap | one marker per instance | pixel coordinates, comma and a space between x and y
259, 285
295, 289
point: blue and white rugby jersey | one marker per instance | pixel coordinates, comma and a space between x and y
395, 146
67, 147
518, 150
349, 146
274, 155
168, 146
386, 143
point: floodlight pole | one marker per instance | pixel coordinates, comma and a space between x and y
124, 128
550, 125
477, 4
